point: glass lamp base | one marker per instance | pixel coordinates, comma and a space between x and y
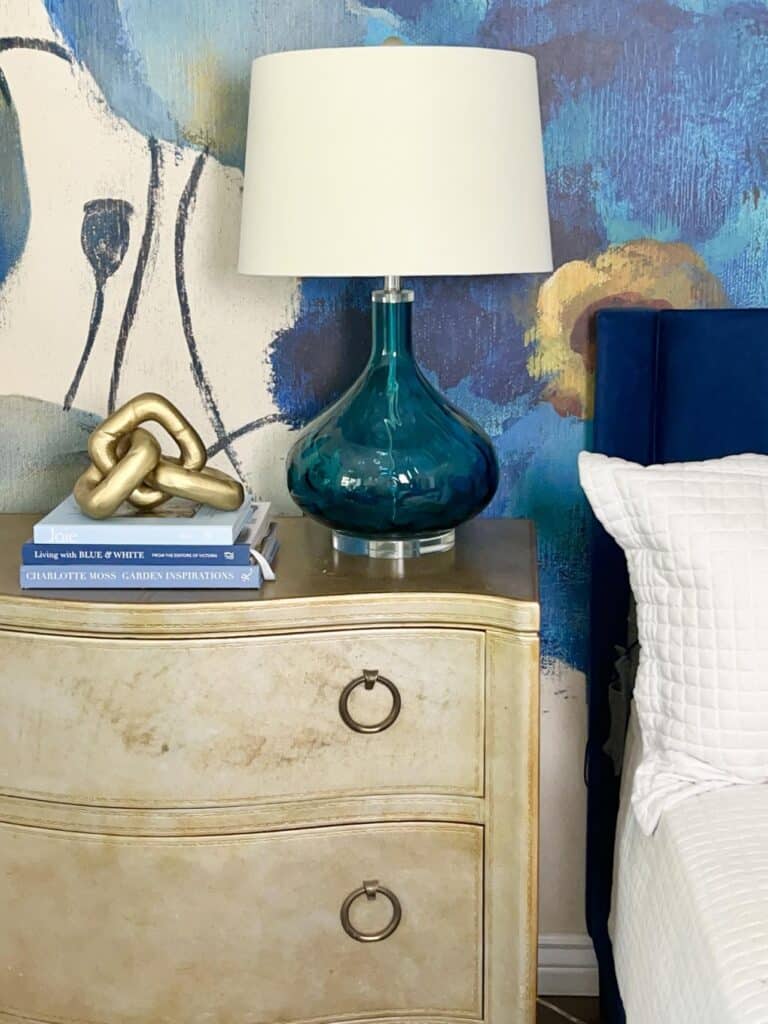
377, 547
392, 467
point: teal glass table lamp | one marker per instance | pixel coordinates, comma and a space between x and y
360, 161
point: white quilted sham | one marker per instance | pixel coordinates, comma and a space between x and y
696, 539
689, 921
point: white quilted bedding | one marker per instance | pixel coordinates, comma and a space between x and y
696, 539
690, 907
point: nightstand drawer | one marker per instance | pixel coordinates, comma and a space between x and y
154, 723
136, 931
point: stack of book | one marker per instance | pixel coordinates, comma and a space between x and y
181, 545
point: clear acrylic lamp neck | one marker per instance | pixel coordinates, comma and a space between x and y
392, 291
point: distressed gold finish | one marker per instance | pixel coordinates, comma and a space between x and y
243, 720
169, 761
487, 582
127, 464
98, 929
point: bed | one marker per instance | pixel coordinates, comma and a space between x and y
671, 386
689, 916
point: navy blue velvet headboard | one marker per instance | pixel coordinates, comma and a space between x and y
671, 386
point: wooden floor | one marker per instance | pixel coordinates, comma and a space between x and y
567, 1010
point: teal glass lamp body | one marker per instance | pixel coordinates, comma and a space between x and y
392, 467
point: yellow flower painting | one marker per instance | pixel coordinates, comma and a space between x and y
655, 275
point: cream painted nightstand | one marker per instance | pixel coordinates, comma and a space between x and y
315, 804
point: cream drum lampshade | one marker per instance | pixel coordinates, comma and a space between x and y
374, 161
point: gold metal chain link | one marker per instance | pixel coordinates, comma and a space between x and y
128, 465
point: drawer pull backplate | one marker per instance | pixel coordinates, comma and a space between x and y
371, 890
368, 679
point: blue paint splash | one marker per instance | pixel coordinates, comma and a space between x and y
316, 359
665, 104
140, 52
14, 194
99, 39
539, 481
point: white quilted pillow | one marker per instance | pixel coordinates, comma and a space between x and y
696, 539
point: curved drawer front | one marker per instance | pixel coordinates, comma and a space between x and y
136, 931
200, 723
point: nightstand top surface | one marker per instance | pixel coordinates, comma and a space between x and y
491, 574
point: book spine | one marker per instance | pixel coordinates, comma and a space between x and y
101, 554
90, 577
147, 534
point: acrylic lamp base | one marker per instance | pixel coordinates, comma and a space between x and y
410, 547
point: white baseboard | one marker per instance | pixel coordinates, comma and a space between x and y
567, 966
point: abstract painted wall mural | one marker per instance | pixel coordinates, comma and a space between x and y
122, 126
117, 262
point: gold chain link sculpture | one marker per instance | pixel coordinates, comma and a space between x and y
128, 465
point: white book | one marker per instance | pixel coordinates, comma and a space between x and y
176, 522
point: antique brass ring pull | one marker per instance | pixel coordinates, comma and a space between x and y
368, 679
371, 890
127, 465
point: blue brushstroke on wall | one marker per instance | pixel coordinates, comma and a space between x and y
685, 92
317, 359
407, 8
104, 237
14, 193
14, 196
142, 53
537, 454
99, 38
472, 329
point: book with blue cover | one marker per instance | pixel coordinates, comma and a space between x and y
238, 553
105, 554
124, 577
176, 523
87, 576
